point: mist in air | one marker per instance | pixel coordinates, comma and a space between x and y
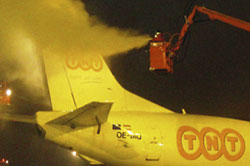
28, 27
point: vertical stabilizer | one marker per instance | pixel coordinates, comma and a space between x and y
76, 80
59, 89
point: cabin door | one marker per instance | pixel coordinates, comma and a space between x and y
154, 145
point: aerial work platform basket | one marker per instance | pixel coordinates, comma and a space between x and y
159, 59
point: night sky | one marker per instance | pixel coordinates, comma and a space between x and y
213, 78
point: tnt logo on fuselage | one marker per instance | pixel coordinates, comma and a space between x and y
211, 143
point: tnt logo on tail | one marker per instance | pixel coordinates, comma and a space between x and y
210, 143
84, 62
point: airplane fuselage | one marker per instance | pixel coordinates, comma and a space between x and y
147, 139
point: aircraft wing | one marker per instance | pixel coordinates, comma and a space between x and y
19, 118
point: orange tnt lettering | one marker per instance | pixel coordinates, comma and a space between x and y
190, 139
212, 142
205, 150
182, 151
232, 140
241, 143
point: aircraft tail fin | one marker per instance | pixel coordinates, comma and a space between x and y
76, 80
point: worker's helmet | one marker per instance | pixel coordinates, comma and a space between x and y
158, 37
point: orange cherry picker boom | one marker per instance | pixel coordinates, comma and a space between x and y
162, 52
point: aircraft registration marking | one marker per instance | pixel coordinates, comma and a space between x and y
84, 62
127, 133
210, 142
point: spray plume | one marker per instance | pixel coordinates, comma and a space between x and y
62, 27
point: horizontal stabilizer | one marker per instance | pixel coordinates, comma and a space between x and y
90, 160
91, 114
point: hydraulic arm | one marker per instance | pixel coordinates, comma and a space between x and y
162, 52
